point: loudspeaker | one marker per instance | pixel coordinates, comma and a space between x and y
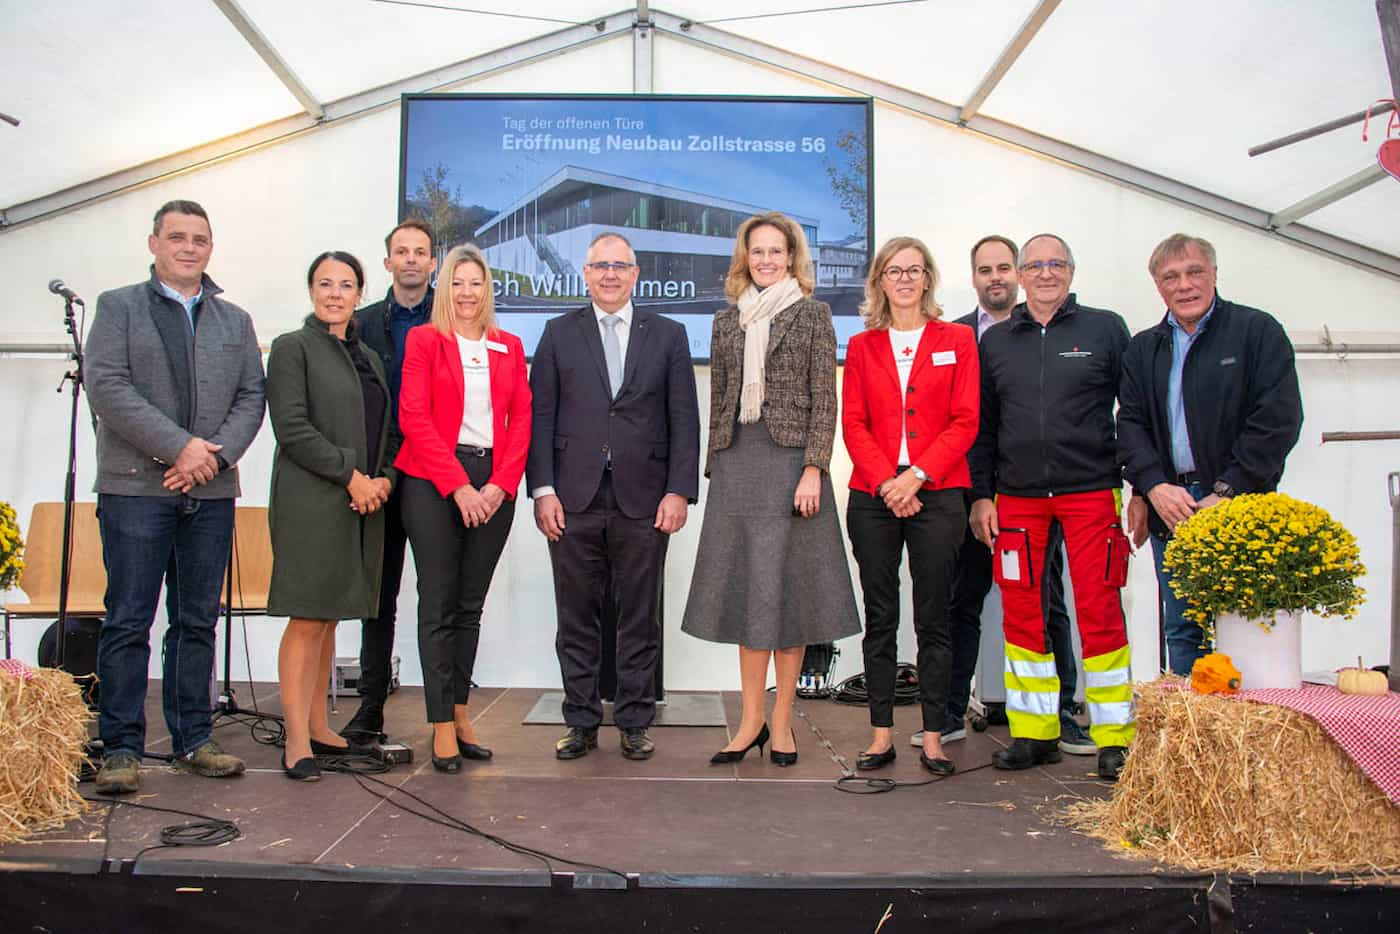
79, 649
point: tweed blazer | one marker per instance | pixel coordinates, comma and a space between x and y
799, 386
150, 401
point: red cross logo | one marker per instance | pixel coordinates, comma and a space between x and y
907, 351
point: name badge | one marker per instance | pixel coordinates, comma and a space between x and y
945, 357
496, 346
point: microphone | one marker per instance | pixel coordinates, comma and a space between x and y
57, 287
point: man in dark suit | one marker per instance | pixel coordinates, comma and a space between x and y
994, 279
613, 467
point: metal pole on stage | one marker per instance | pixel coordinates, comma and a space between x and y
74, 377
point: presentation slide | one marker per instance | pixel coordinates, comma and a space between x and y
532, 180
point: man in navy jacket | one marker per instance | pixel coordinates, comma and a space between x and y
1209, 408
614, 465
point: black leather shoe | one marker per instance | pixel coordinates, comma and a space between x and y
870, 761
447, 763
473, 752
319, 748
367, 725
938, 766
725, 756
1111, 760
305, 770
1024, 753
576, 743
636, 744
784, 759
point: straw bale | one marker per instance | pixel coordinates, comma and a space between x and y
1223, 784
43, 728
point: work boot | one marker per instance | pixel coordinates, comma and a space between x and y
1024, 753
119, 774
576, 742
367, 725
210, 761
1111, 759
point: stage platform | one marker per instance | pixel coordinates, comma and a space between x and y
694, 847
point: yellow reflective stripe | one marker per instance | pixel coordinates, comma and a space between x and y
1118, 501
1050, 685
1118, 658
1111, 713
1112, 734
1104, 679
1026, 655
1032, 725
1109, 694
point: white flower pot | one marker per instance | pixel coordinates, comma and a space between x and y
1266, 658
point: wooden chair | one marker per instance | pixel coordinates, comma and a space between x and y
43, 549
252, 562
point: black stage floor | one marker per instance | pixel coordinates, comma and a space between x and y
697, 847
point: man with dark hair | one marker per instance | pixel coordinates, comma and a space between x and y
1209, 408
175, 377
994, 279
614, 464
1046, 450
384, 326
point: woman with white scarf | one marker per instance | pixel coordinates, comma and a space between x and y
771, 573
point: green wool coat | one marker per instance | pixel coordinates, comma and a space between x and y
326, 558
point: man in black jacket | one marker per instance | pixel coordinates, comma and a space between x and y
994, 279
1046, 448
1210, 408
384, 326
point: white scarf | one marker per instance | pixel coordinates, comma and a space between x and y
756, 312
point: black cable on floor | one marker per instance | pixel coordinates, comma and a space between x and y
861, 785
202, 831
852, 691
352, 765
444, 819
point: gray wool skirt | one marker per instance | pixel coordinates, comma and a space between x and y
764, 578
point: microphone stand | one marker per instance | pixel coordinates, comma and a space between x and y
74, 377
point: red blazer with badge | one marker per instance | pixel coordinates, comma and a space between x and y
937, 412
431, 398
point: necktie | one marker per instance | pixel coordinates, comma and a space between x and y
612, 351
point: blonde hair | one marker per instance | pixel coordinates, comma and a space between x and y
799, 257
1177, 246
443, 315
876, 307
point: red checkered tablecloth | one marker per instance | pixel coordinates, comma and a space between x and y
1366, 727
17, 668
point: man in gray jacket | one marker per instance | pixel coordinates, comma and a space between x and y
175, 377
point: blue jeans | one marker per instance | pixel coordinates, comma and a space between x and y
1185, 640
147, 540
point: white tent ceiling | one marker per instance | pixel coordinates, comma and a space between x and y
1179, 91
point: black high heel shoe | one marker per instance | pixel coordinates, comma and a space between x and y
305, 770
319, 748
725, 756
784, 759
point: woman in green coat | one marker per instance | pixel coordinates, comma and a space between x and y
329, 406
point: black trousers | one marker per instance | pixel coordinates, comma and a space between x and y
603, 551
377, 634
971, 583
455, 565
879, 539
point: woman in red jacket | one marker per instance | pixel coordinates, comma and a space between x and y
464, 410
909, 416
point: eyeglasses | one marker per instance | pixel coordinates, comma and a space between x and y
1048, 265
895, 273
608, 267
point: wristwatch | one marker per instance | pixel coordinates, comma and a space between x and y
918, 472
1223, 489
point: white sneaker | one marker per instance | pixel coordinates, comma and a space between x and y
917, 739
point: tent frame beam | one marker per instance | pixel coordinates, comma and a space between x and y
643, 46
1034, 20
263, 46
346, 108
1129, 176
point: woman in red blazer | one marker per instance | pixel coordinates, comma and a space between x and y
909, 416
464, 410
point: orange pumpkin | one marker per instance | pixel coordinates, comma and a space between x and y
1215, 674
